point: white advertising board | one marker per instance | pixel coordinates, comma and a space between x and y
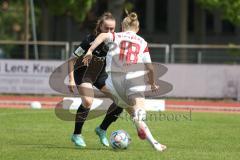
26, 76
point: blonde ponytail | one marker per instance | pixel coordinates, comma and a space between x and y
130, 21
133, 16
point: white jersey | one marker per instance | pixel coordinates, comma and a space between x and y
127, 49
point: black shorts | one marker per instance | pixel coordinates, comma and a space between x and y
94, 73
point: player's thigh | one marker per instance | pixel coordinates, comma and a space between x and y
100, 81
139, 103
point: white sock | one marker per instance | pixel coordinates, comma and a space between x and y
146, 133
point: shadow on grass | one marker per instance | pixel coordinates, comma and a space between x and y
53, 146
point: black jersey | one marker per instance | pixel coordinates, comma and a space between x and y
95, 72
100, 51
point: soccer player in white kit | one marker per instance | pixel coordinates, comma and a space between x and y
127, 50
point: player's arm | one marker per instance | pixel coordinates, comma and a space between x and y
151, 76
71, 63
148, 64
100, 38
82, 48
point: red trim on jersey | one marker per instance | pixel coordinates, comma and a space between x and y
113, 36
146, 50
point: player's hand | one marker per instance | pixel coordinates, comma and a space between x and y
71, 86
87, 58
154, 87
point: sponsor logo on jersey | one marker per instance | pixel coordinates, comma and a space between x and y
79, 51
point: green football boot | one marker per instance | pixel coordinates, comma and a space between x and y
78, 140
102, 136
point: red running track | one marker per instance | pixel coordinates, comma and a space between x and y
180, 105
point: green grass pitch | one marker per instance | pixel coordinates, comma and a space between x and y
38, 134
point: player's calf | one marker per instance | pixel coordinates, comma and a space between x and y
139, 117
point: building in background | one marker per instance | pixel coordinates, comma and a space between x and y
162, 21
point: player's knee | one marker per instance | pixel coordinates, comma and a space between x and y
87, 103
139, 114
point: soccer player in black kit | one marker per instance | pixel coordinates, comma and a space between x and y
94, 74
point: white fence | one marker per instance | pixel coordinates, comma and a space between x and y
195, 53
33, 50
220, 54
164, 49
163, 53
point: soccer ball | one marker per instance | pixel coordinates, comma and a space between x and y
120, 139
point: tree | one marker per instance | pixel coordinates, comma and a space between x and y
12, 26
183, 35
230, 9
78, 9
116, 8
11, 20
67, 9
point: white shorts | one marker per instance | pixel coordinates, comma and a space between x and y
124, 89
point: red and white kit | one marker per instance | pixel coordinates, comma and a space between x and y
126, 50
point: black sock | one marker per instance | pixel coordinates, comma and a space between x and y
81, 117
112, 115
